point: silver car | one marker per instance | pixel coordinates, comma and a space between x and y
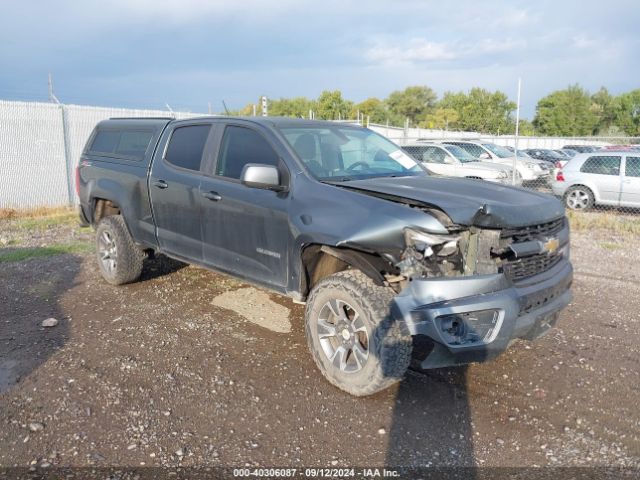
531, 169
602, 178
453, 161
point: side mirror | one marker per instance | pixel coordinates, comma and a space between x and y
257, 175
484, 156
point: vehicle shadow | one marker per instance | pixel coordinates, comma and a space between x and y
431, 428
30, 292
431, 434
158, 266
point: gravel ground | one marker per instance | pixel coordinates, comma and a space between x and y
175, 370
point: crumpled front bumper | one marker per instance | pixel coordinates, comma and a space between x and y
526, 309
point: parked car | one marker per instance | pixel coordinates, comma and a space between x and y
603, 178
581, 148
340, 218
562, 154
569, 152
453, 161
531, 170
545, 154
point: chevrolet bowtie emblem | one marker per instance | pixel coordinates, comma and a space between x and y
551, 245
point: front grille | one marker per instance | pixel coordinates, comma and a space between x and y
533, 232
520, 268
529, 266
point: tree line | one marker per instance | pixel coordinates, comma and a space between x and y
573, 111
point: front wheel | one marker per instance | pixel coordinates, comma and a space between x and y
353, 338
119, 258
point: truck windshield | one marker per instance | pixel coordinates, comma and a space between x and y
460, 153
498, 150
342, 153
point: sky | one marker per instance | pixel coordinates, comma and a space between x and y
189, 53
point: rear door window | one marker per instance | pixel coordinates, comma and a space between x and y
602, 165
428, 154
186, 146
474, 150
633, 167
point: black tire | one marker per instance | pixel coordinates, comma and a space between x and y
119, 258
579, 197
388, 347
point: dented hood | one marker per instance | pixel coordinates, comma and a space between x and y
466, 202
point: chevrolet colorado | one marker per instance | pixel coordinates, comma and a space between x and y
385, 257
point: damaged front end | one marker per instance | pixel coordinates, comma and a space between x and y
472, 291
463, 252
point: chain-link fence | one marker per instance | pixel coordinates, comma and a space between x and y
40, 144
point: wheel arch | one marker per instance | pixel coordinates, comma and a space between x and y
318, 261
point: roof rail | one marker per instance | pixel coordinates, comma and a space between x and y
142, 118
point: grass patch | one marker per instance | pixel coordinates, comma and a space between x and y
12, 213
42, 223
611, 246
611, 222
22, 254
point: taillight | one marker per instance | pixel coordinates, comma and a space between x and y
78, 180
558, 164
559, 176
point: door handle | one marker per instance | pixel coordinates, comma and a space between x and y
160, 184
213, 196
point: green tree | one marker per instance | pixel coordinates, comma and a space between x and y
526, 128
481, 110
412, 102
566, 113
297, 107
603, 105
627, 112
331, 106
441, 118
374, 108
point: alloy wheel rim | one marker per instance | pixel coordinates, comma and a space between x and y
578, 199
343, 336
108, 251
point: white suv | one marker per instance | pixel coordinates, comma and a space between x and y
453, 161
532, 170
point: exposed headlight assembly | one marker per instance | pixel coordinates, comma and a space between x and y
429, 244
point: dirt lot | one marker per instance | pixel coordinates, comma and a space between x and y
191, 368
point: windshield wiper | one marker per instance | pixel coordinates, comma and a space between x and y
336, 179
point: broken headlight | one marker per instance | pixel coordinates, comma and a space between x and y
428, 255
429, 244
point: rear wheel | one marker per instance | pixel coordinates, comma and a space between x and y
119, 258
579, 197
353, 338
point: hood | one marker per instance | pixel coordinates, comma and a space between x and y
467, 202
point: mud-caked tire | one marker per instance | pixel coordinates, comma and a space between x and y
120, 260
354, 339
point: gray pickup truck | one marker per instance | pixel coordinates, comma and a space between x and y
385, 257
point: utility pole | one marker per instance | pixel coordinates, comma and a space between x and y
515, 153
209, 104
52, 97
